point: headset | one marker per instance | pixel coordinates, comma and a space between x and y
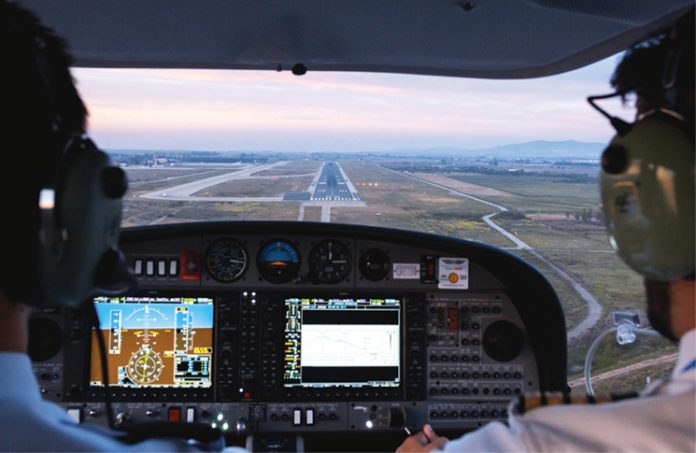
79, 217
647, 181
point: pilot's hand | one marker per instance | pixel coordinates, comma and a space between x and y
426, 440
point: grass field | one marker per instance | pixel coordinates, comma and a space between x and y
159, 181
312, 214
548, 194
293, 167
400, 202
146, 212
257, 187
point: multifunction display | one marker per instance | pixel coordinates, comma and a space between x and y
341, 342
155, 341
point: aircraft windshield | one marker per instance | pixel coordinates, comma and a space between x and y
509, 163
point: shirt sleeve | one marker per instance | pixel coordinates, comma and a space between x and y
493, 437
32, 424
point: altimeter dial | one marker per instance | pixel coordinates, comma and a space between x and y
330, 261
226, 260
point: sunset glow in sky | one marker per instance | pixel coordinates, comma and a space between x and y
269, 111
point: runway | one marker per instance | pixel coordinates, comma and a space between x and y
334, 185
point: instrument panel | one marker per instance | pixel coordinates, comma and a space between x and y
283, 331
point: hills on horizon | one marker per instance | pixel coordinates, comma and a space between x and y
537, 149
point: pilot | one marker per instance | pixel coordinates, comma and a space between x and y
41, 111
647, 185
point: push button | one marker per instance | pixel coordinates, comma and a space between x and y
296, 417
138, 267
174, 414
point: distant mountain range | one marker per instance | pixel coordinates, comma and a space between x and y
538, 149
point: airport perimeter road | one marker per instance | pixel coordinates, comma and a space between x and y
185, 191
594, 309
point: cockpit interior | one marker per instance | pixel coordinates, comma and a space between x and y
321, 335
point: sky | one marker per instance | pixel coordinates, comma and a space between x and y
224, 110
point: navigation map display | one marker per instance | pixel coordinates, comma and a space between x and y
342, 343
155, 341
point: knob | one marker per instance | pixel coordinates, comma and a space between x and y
120, 418
503, 341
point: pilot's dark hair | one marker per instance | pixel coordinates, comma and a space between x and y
36, 89
660, 69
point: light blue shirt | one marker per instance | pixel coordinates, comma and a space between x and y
28, 423
662, 420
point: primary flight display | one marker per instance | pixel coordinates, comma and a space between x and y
155, 341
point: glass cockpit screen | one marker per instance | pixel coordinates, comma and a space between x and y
155, 341
342, 343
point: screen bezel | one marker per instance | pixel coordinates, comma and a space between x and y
127, 393
343, 393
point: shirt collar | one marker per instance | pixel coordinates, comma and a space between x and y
687, 353
17, 379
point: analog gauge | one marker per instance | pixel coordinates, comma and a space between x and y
278, 261
329, 261
226, 260
374, 265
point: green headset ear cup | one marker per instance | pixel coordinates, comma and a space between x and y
86, 224
649, 205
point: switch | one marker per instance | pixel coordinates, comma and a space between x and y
190, 265
296, 417
75, 414
150, 267
138, 267
174, 414
190, 415
174, 268
309, 417
161, 268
